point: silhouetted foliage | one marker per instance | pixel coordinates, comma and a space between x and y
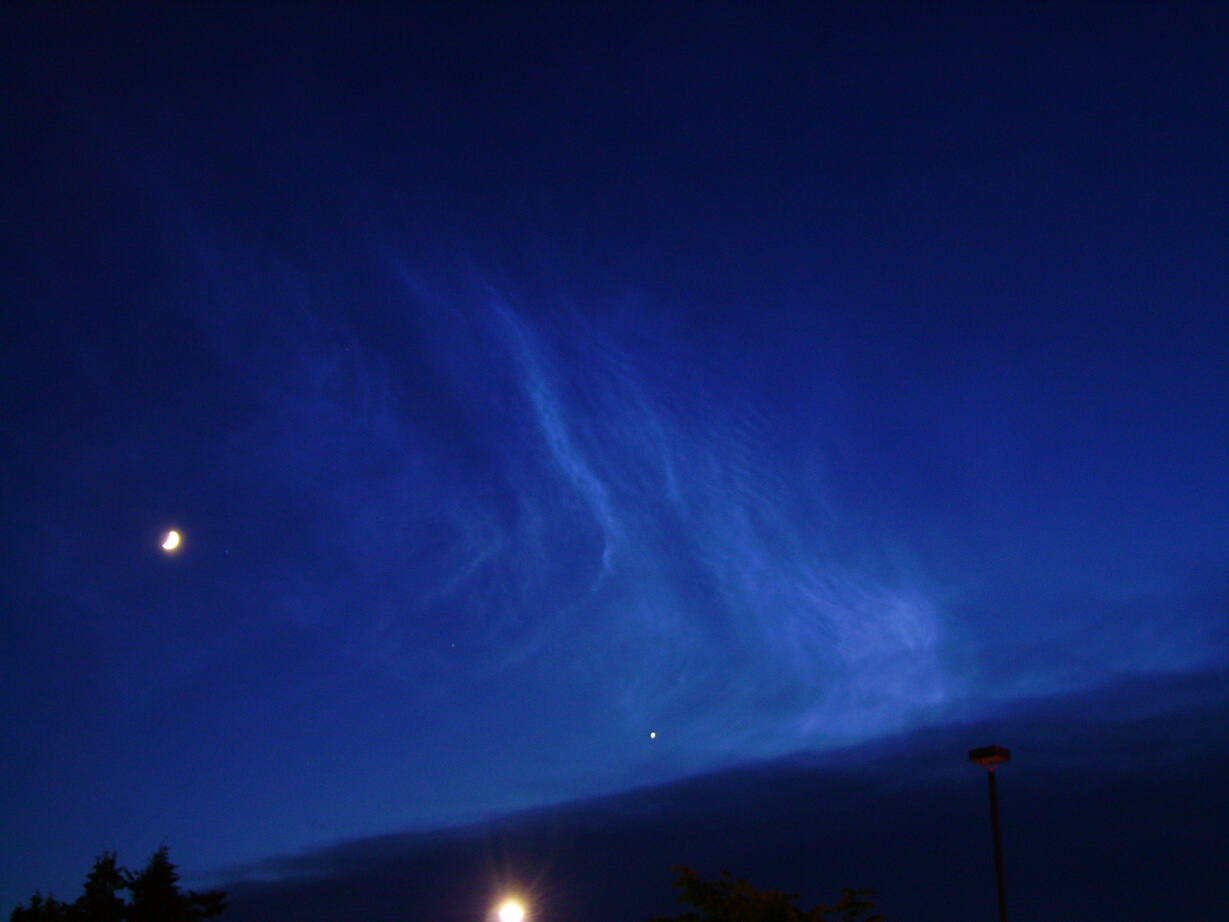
156, 897
41, 910
101, 901
730, 900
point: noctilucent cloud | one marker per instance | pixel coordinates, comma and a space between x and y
552, 401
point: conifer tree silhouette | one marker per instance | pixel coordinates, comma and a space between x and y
156, 896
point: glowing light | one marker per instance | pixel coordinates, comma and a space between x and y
511, 911
171, 542
653, 735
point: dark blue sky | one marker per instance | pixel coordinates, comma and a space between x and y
527, 379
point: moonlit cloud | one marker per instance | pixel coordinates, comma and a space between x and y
694, 570
555, 431
615, 520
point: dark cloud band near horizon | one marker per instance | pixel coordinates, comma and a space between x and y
1109, 786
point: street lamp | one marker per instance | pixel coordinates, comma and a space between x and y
991, 756
511, 911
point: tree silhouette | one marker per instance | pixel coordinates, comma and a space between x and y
730, 900
156, 897
101, 901
41, 910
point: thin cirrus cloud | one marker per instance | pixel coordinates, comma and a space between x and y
647, 530
586, 504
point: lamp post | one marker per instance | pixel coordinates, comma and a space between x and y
991, 756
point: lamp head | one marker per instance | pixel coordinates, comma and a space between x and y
990, 756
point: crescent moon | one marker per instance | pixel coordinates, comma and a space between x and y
172, 540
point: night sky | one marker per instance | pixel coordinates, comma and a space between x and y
807, 385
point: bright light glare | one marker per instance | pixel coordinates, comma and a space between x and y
511, 911
172, 541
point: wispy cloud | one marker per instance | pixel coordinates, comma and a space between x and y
718, 605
